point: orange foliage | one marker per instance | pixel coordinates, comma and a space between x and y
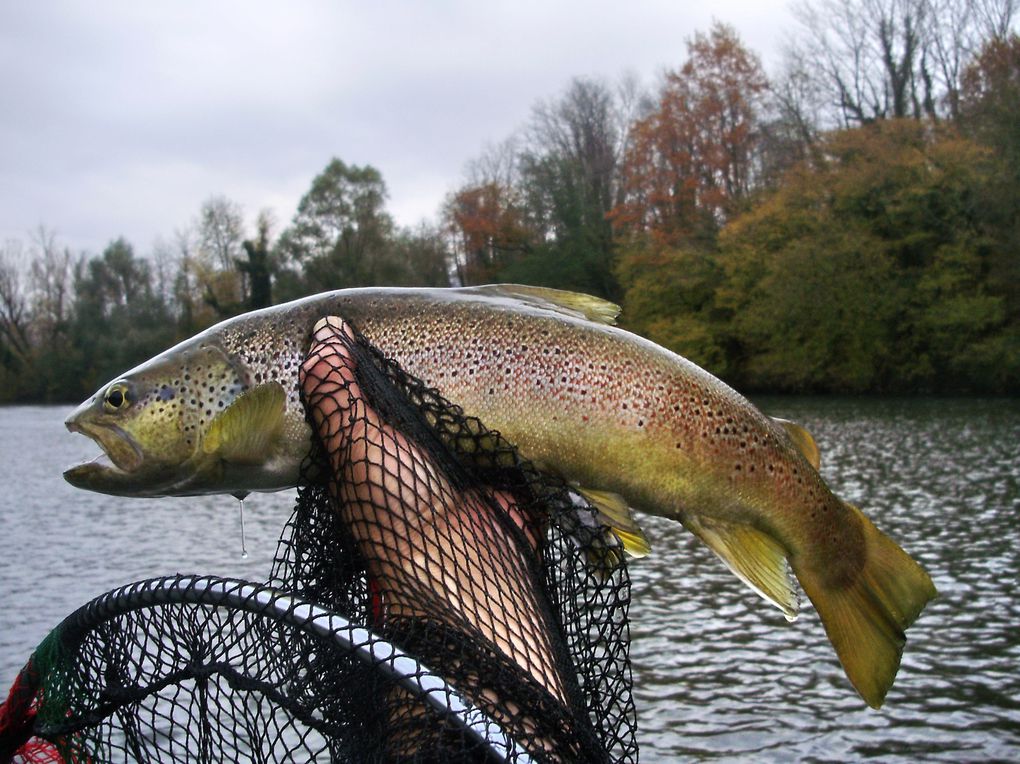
692, 158
489, 228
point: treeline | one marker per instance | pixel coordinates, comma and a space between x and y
852, 225
849, 225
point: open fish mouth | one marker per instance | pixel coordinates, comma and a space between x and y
121, 455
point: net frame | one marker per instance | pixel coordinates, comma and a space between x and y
66, 724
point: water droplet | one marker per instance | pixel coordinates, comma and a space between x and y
244, 549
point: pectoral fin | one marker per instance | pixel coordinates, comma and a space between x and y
246, 431
802, 440
755, 558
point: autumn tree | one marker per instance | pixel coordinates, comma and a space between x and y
671, 299
990, 98
692, 161
868, 271
487, 226
990, 114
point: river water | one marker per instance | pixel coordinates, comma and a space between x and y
718, 673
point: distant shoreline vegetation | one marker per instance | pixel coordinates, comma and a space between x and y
784, 244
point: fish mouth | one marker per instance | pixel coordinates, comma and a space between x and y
121, 455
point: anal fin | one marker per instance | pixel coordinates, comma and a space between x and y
755, 558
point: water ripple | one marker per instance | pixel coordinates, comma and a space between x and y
718, 673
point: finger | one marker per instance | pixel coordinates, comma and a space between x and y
329, 328
329, 381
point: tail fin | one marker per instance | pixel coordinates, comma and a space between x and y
865, 619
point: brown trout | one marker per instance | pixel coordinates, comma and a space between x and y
617, 414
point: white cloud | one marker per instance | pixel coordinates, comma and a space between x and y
122, 117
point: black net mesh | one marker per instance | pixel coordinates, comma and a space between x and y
435, 597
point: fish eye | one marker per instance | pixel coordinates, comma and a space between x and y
117, 397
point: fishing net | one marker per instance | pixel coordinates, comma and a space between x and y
435, 597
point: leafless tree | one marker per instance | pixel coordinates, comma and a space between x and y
220, 230
580, 130
52, 274
15, 314
498, 164
877, 59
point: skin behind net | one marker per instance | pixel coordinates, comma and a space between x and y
444, 540
412, 520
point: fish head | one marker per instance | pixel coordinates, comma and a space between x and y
150, 422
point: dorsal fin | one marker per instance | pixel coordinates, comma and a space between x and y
802, 440
245, 431
574, 304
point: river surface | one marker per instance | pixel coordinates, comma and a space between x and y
718, 673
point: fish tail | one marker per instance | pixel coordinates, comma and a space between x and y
866, 617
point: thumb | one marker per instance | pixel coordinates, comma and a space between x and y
329, 382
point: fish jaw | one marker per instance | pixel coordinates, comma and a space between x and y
116, 470
122, 469
121, 449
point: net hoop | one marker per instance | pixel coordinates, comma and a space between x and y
360, 643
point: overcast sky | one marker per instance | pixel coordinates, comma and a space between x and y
120, 118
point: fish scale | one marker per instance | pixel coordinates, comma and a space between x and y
630, 422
